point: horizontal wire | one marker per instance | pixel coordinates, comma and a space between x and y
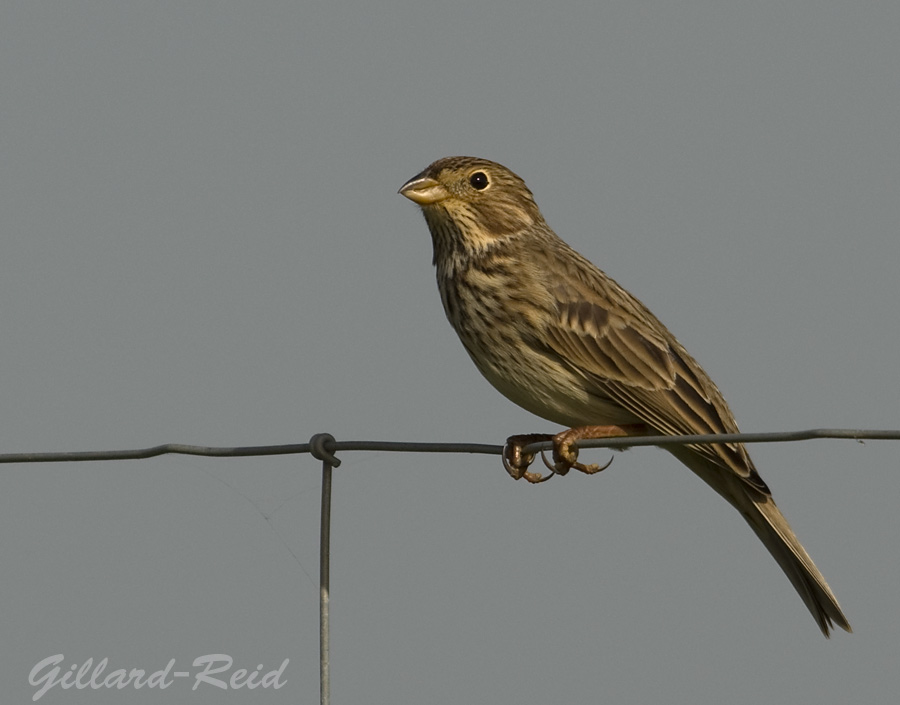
856, 434
415, 447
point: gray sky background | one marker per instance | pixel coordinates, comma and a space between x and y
202, 243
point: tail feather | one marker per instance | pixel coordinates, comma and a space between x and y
773, 530
759, 510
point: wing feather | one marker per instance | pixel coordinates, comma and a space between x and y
634, 361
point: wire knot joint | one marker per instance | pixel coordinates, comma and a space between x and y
321, 446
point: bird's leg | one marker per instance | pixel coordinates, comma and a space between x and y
516, 461
565, 450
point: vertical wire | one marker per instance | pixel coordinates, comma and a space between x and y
324, 580
320, 446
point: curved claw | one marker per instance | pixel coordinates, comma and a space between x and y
600, 468
591, 469
551, 466
535, 478
565, 457
515, 467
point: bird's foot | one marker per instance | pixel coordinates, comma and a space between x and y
516, 461
565, 448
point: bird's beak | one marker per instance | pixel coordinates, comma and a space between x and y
424, 190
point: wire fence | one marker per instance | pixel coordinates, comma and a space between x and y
324, 446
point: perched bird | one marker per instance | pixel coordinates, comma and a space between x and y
558, 337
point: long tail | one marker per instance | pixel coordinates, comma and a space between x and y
777, 536
769, 524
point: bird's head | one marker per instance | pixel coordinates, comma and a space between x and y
474, 202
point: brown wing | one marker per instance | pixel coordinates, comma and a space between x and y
611, 338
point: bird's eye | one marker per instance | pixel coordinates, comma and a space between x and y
479, 180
